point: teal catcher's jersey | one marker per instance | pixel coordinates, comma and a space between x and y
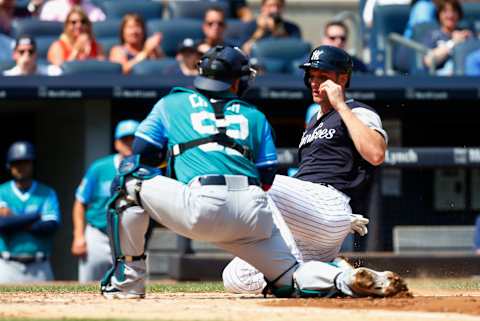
38, 199
94, 190
185, 115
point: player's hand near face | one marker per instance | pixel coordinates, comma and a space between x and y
5, 211
334, 93
79, 246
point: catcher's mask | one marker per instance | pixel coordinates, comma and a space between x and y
221, 66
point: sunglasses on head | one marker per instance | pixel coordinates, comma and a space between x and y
219, 23
30, 51
342, 38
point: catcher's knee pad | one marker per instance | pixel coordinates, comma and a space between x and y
130, 167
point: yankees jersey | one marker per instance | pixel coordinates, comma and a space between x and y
327, 153
39, 199
94, 190
185, 115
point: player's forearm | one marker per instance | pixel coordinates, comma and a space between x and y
78, 219
369, 143
18, 222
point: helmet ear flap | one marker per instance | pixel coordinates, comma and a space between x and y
306, 79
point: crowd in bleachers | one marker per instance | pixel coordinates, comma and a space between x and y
150, 36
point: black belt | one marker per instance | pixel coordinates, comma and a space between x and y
24, 259
221, 180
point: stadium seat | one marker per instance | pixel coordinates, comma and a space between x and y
91, 67
471, 12
107, 44
6, 64
460, 53
153, 67
235, 32
109, 28
194, 8
387, 19
174, 31
44, 32
145, 8
276, 55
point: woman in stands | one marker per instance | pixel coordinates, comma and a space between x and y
135, 46
446, 37
77, 41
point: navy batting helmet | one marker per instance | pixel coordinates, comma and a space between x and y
220, 66
328, 58
20, 150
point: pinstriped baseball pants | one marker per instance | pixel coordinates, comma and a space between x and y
317, 221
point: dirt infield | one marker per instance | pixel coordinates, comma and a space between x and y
427, 304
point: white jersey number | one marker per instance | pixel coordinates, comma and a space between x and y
204, 123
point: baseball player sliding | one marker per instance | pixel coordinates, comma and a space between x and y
221, 152
338, 151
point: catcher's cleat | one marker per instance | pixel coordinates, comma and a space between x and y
110, 292
367, 282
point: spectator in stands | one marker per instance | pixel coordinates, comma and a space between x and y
188, 56
270, 23
7, 10
477, 236
446, 37
6, 44
335, 34
134, 45
58, 10
25, 56
472, 64
239, 9
77, 41
421, 11
34, 7
213, 28
29, 218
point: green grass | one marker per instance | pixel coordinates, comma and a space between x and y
189, 287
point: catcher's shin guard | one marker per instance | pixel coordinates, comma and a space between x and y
119, 202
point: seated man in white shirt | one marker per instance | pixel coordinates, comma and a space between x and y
25, 56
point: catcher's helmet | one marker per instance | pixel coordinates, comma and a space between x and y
20, 150
328, 58
220, 66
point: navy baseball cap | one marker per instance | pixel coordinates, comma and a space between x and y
25, 40
126, 127
188, 44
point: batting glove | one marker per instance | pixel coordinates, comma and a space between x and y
358, 224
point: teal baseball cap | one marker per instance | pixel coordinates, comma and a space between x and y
126, 128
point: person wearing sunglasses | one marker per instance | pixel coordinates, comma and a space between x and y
335, 33
135, 46
270, 23
25, 57
213, 27
77, 41
58, 10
